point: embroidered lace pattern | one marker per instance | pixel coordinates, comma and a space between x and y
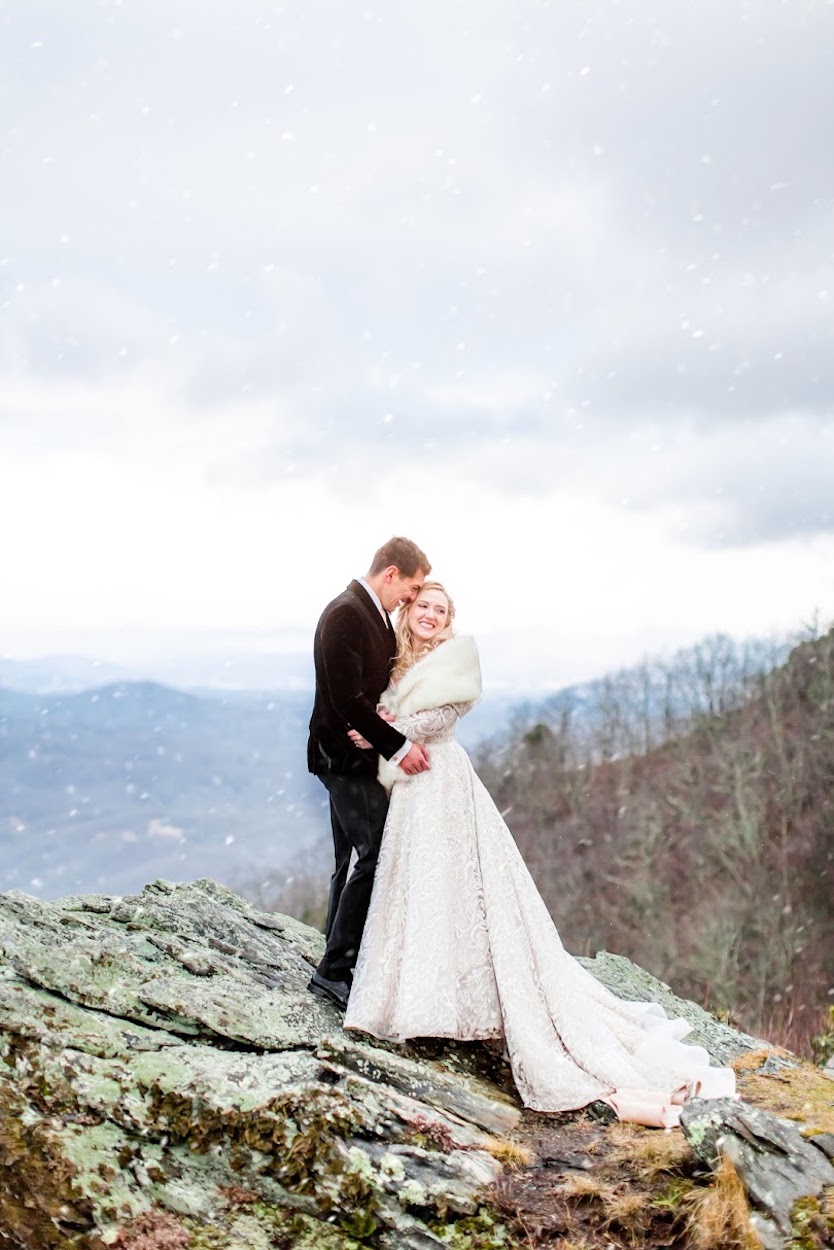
458, 943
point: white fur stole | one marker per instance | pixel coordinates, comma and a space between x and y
451, 673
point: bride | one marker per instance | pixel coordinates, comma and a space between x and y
458, 942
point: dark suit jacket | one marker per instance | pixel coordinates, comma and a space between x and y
353, 652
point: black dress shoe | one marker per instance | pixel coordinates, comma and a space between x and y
336, 992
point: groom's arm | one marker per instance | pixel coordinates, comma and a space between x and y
341, 642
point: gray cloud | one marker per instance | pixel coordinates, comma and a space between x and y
523, 238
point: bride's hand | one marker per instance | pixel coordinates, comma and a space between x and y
358, 741
384, 714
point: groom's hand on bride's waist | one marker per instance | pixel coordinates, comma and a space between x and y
416, 761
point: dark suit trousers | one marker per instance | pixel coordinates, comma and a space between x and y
358, 807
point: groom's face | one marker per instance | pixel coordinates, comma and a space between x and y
397, 589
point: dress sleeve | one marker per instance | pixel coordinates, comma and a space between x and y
423, 726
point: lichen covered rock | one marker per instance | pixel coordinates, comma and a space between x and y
777, 1165
168, 1083
165, 1075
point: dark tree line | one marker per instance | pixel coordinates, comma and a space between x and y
685, 817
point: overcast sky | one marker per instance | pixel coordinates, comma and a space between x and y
547, 286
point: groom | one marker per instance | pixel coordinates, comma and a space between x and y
353, 651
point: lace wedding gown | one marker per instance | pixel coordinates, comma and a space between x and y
458, 943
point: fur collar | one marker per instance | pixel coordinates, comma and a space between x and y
449, 674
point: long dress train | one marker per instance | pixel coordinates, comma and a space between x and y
458, 943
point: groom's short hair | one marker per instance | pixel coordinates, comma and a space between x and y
402, 552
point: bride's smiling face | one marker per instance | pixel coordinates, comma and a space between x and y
429, 614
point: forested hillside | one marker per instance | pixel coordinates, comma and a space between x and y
688, 822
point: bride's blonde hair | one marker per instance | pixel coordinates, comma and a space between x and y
411, 649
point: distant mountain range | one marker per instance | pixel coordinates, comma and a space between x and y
215, 669
106, 783
53, 673
106, 788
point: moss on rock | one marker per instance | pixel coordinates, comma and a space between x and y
43, 1205
160, 1053
166, 1083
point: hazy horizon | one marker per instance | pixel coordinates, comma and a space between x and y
282, 659
546, 287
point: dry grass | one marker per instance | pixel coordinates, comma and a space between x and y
511, 1153
752, 1060
719, 1218
803, 1094
827, 1203
625, 1210
629, 1212
648, 1153
586, 1185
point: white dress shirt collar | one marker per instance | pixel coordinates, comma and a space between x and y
370, 590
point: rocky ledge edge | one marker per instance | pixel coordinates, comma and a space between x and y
168, 1081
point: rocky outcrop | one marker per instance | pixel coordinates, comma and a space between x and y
162, 1057
777, 1165
168, 1084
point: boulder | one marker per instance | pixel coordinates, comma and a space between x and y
777, 1165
